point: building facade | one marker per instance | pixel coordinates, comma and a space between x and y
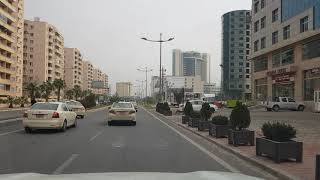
87, 75
190, 64
211, 89
187, 82
154, 85
43, 52
11, 47
124, 89
73, 71
235, 73
286, 43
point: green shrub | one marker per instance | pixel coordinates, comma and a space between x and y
188, 109
205, 111
220, 120
195, 114
165, 106
278, 131
240, 117
159, 107
89, 101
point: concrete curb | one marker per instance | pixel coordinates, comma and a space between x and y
278, 173
17, 109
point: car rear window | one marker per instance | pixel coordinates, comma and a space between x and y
45, 106
122, 105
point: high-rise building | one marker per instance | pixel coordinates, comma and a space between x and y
101, 79
11, 47
73, 68
235, 73
194, 83
124, 89
87, 75
286, 43
43, 56
155, 85
190, 64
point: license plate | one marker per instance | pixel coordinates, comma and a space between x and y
123, 113
39, 115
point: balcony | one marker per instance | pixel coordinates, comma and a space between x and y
6, 93
7, 48
9, 16
9, 27
7, 37
6, 81
6, 70
9, 5
6, 59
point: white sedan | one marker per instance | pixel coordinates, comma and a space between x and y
77, 107
51, 115
197, 105
122, 112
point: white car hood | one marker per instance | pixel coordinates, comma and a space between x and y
201, 175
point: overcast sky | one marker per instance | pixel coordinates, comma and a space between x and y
108, 31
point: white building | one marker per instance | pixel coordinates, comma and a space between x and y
188, 82
211, 89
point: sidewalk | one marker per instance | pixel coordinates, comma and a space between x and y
286, 170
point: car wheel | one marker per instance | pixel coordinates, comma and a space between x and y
269, 109
134, 123
301, 108
28, 130
109, 123
276, 108
75, 123
82, 116
64, 126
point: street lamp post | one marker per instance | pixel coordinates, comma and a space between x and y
146, 70
160, 43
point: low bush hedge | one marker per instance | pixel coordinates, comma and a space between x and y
278, 131
220, 120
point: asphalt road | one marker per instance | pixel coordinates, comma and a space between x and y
94, 147
12, 114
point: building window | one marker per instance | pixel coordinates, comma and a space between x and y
286, 32
231, 76
283, 58
247, 51
256, 44
240, 38
256, 26
247, 39
240, 63
275, 37
231, 64
247, 86
310, 50
240, 86
241, 44
240, 51
247, 76
248, 33
240, 76
263, 22
241, 32
261, 88
247, 64
276, 58
240, 57
304, 24
256, 7
311, 83
263, 42
247, 71
262, 4
240, 70
275, 15
261, 64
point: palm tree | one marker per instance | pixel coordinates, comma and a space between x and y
69, 94
46, 89
77, 91
58, 84
32, 90
85, 93
23, 101
11, 101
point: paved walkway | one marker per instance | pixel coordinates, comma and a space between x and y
307, 125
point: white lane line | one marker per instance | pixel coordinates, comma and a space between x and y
216, 158
65, 164
95, 136
11, 132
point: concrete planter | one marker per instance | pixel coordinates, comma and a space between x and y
279, 150
167, 113
219, 131
242, 137
185, 119
203, 125
194, 122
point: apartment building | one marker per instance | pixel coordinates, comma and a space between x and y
73, 71
235, 64
105, 80
43, 52
194, 83
87, 75
100, 80
11, 47
124, 89
286, 43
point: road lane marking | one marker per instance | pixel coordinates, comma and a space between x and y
11, 132
216, 158
95, 136
65, 164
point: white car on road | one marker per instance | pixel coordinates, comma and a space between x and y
197, 105
77, 107
50, 115
286, 103
122, 112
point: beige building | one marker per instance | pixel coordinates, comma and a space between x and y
124, 89
43, 52
11, 47
101, 80
73, 67
193, 83
285, 54
87, 75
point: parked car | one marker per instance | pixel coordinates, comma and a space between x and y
77, 107
286, 103
197, 104
50, 115
122, 112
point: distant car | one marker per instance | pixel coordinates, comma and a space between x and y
51, 115
135, 105
77, 107
197, 105
122, 112
286, 103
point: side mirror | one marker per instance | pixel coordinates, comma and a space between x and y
136, 110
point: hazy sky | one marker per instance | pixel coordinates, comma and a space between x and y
108, 31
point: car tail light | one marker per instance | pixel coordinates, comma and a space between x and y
55, 115
25, 115
132, 112
112, 112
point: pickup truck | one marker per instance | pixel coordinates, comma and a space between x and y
286, 103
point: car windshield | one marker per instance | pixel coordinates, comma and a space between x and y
122, 105
45, 106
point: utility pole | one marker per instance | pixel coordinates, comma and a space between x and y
146, 70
